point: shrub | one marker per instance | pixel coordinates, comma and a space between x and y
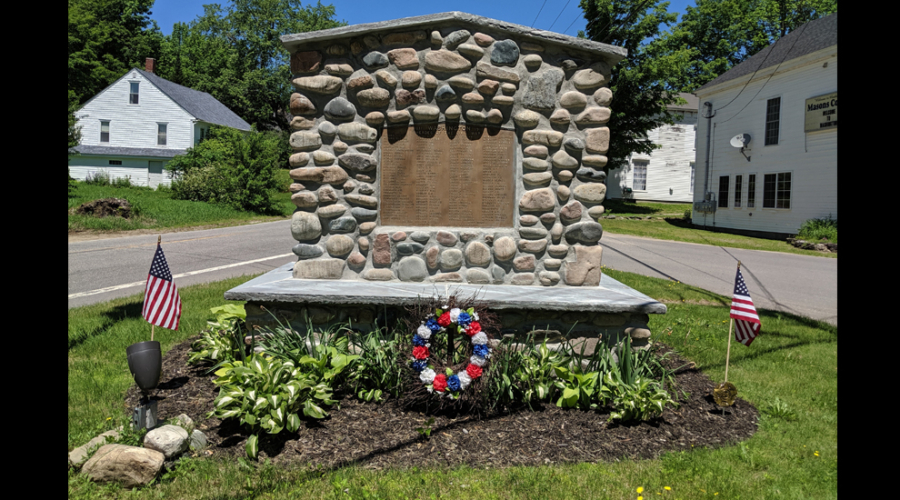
72, 182
97, 178
687, 214
230, 167
816, 229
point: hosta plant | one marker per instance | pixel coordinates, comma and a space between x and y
579, 390
642, 400
223, 340
267, 394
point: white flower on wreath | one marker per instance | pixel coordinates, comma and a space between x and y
464, 380
479, 338
454, 314
477, 361
427, 376
475, 316
444, 307
424, 332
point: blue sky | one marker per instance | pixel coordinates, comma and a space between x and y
557, 15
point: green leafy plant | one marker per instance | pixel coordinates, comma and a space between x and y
425, 430
378, 369
223, 340
779, 409
641, 400
268, 393
817, 229
579, 390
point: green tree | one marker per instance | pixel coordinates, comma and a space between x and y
723, 33
640, 82
106, 38
235, 54
230, 167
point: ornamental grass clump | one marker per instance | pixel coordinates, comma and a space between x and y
378, 371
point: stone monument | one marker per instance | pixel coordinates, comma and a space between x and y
449, 149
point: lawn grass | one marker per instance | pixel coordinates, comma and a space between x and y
156, 209
794, 360
678, 229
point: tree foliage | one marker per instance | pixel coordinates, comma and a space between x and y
235, 54
106, 39
230, 167
723, 33
640, 82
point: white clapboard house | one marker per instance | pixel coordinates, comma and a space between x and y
667, 174
770, 160
138, 123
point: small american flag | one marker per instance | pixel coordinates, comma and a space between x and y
162, 305
746, 320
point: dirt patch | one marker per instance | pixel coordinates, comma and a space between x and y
106, 207
378, 436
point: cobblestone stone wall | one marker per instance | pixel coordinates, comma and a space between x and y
348, 90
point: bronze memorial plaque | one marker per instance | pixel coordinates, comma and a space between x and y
447, 175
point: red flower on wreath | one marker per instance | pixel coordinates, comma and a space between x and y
420, 352
440, 382
474, 371
444, 320
473, 328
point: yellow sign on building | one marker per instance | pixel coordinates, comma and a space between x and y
821, 112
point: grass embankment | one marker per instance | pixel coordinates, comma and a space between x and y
157, 210
667, 223
789, 373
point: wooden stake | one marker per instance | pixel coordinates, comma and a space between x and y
152, 326
728, 350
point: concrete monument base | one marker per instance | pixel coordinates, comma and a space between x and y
607, 311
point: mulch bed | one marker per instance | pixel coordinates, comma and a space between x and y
378, 436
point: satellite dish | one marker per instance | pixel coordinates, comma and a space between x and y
740, 140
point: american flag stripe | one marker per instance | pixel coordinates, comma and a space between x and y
747, 324
162, 305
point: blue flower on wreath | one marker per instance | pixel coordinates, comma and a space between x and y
418, 366
453, 383
433, 325
464, 319
418, 341
482, 350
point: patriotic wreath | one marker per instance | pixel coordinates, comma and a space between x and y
465, 322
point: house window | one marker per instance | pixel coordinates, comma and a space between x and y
723, 191
777, 190
738, 184
751, 191
773, 113
692, 177
639, 183
133, 94
115, 162
161, 134
104, 131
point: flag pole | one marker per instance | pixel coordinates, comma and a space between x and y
728, 350
153, 327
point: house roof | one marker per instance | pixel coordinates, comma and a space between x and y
610, 53
119, 151
815, 35
200, 104
693, 103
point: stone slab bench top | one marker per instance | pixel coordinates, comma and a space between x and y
279, 285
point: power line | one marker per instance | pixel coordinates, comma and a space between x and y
539, 13
560, 13
573, 22
773, 73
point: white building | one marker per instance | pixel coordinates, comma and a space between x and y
138, 123
667, 173
785, 99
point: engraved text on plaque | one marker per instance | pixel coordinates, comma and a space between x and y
440, 175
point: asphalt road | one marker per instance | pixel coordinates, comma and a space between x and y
104, 269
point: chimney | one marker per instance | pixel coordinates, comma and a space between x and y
148, 64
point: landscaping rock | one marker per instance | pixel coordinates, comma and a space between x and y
170, 440
130, 466
79, 454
